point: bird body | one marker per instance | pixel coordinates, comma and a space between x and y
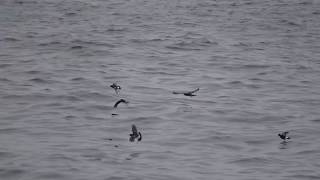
116, 87
284, 136
135, 134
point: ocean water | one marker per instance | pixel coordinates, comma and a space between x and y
256, 63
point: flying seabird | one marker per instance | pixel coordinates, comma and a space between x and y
135, 134
116, 87
284, 136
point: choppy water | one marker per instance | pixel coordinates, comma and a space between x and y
256, 63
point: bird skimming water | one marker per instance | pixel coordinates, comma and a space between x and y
284, 136
135, 134
116, 87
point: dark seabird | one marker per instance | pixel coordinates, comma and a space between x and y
284, 136
135, 134
187, 93
116, 87
120, 101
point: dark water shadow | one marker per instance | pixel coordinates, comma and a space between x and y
284, 145
133, 155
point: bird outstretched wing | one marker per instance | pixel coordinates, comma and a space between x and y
140, 137
191, 92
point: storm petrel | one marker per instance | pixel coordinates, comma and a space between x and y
135, 134
284, 136
116, 87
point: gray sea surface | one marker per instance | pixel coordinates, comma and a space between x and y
256, 63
